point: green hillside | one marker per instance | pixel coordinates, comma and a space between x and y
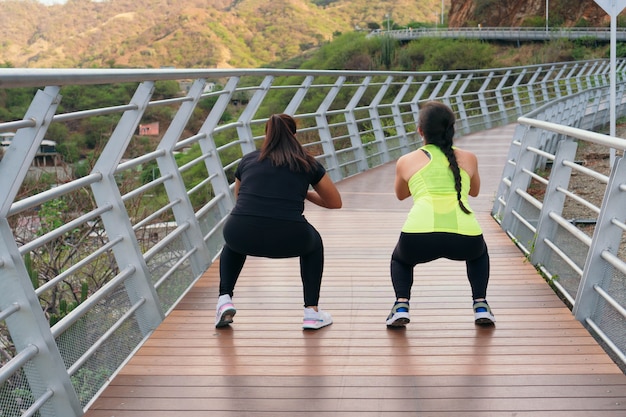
189, 33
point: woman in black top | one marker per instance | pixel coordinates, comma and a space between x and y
271, 185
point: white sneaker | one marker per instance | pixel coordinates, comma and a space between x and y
225, 311
399, 316
314, 320
482, 314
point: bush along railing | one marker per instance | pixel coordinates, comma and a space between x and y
574, 236
97, 246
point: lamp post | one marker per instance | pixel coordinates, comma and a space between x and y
441, 13
612, 8
547, 6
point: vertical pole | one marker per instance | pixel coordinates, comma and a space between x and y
612, 74
441, 13
612, 8
547, 7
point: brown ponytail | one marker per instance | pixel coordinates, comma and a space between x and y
281, 146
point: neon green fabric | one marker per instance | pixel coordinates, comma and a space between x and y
435, 205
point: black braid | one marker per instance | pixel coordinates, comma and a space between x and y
454, 166
437, 122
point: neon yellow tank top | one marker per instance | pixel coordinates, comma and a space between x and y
435, 205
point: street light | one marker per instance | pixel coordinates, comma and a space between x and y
547, 3
442, 13
613, 8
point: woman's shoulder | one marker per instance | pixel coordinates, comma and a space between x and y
465, 154
253, 154
249, 159
408, 164
467, 161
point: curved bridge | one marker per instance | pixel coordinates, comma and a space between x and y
511, 34
140, 340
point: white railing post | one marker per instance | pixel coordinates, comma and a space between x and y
558, 79
530, 87
28, 326
353, 125
606, 238
321, 118
498, 92
379, 131
116, 221
569, 79
516, 88
482, 100
553, 201
175, 187
244, 127
460, 104
520, 180
397, 114
219, 182
297, 98
499, 205
441, 83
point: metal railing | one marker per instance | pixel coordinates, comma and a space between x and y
574, 236
518, 34
94, 255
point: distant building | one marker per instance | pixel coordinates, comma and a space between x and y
185, 85
6, 138
150, 129
46, 154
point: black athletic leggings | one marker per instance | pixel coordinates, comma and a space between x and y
272, 238
418, 248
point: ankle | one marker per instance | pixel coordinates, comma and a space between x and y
224, 299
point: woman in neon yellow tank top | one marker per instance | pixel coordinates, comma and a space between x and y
441, 223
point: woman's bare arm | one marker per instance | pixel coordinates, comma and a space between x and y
325, 194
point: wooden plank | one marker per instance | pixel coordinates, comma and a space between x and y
393, 405
572, 380
340, 413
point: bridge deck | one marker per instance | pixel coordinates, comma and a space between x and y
537, 361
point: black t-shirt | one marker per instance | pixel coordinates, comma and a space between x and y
272, 191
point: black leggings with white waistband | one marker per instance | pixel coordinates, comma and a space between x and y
272, 238
418, 248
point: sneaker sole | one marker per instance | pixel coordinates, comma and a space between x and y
485, 321
226, 318
315, 326
399, 320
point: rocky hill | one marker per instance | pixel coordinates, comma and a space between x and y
235, 33
515, 13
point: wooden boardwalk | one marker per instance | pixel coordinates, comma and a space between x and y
537, 361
